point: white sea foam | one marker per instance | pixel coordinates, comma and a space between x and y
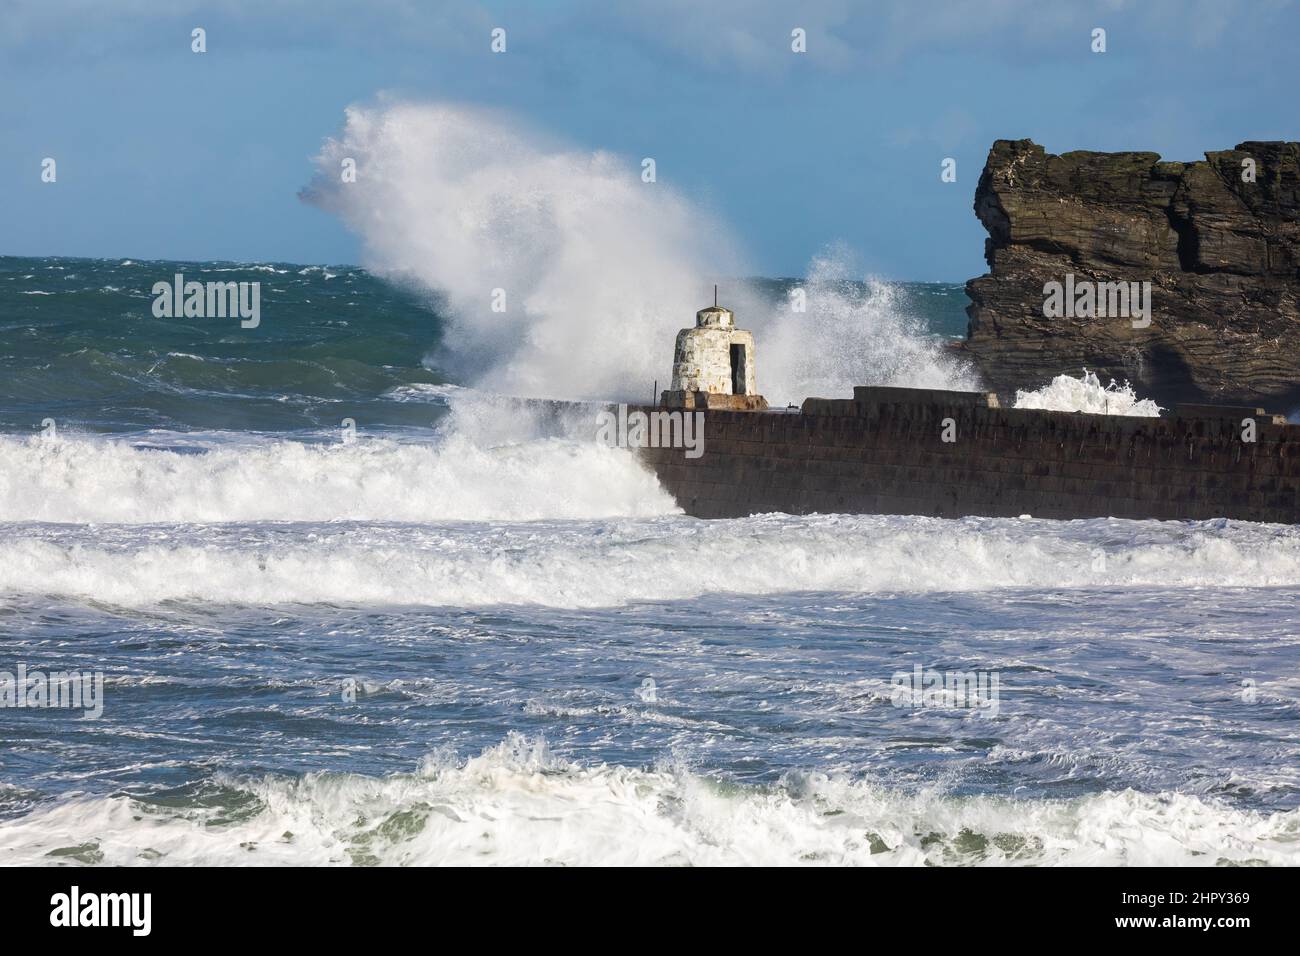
518, 804
576, 564
424, 392
84, 479
1066, 393
599, 269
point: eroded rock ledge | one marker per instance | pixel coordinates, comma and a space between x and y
1222, 255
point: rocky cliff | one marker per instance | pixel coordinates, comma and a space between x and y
1217, 240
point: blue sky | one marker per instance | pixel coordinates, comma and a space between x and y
164, 153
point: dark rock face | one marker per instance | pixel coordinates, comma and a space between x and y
1221, 254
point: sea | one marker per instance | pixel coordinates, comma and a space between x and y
334, 601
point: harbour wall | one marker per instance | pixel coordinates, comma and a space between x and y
954, 454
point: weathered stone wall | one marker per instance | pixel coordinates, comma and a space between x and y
883, 452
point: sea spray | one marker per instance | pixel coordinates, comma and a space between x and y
1065, 393
594, 266
567, 276
849, 333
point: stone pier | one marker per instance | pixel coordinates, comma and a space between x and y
884, 452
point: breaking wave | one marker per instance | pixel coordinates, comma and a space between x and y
518, 804
457, 479
1086, 394
614, 562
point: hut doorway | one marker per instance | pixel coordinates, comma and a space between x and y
738, 370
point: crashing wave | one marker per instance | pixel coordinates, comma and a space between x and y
1086, 394
517, 804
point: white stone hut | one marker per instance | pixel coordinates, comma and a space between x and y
713, 364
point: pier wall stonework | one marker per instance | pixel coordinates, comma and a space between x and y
883, 452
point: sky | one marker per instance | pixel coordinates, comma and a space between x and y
162, 152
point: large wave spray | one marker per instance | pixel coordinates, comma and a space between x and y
598, 268
851, 333
595, 265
